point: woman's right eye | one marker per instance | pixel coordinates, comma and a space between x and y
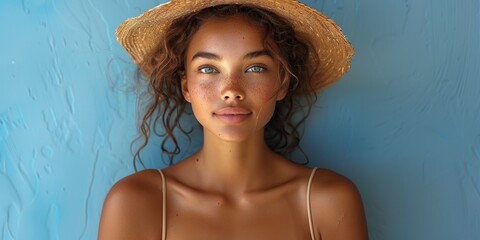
207, 69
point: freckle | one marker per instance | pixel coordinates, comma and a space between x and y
341, 218
176, 214
218, 203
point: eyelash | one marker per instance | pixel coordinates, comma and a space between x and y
258, 68
202, 68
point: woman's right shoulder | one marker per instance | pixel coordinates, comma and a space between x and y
132, 204
143, 182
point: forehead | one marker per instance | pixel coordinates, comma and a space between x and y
227, 33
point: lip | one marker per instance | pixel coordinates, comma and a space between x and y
232, 114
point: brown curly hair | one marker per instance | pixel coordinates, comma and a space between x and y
167, 105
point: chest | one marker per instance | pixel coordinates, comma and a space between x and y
279, 216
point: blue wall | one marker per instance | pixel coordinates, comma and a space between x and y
404, 124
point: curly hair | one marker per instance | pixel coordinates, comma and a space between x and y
167, 104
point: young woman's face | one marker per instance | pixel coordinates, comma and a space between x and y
230, 79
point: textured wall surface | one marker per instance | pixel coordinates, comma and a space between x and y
404, 124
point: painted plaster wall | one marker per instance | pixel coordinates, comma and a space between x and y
404, 124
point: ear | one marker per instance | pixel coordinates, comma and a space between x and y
282, 92
184, 85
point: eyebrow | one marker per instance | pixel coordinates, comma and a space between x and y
206, 55
213, 56
255, 54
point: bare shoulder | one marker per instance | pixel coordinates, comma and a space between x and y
337, 207
132, 205
332, 191
330, 182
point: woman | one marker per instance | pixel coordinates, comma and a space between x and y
246, 68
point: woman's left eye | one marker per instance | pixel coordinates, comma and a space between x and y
256, 69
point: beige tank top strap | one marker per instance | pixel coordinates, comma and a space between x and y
164, 206
309, 208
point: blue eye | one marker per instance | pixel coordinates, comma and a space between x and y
207, 70
256, 69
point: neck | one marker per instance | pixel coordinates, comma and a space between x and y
235, 167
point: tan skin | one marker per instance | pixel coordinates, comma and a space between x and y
235, 187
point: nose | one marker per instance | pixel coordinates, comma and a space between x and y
233, 89
231, 95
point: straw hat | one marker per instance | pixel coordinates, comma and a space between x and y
140, 35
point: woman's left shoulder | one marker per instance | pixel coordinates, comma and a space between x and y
337, 203
329, 182
333, 190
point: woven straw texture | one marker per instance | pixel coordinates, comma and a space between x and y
140, 35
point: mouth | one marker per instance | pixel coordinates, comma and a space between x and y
232, 114
232, 111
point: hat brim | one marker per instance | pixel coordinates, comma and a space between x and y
141, 35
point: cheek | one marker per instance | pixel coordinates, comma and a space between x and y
265, 93
201, 92
201, 95
265, 99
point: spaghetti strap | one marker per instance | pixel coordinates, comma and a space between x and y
309, 208
164, 206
